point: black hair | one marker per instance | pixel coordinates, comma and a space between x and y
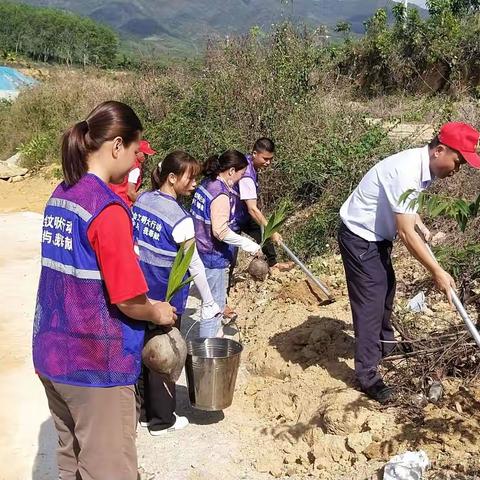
176, 162
104, 123
264, 144
229, 159
434, 143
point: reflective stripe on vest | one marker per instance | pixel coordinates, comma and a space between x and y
73, 207
160, 251
69, 270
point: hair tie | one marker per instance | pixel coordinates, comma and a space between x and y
84, 125
159, 166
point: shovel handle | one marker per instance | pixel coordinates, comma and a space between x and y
456, 301
307, 272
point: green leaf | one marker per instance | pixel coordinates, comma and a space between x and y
439, 208
434, 205
176, 279
404, 196
276, 220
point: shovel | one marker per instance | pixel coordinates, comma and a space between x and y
456, 301
308, 273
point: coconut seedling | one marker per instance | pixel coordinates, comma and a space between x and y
176, 279
258, 267
166, 352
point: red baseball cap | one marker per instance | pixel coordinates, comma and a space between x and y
463, 138
146, 148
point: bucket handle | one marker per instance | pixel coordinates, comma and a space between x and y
190, 329
198, 321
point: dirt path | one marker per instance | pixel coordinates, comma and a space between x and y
29, 195
27, 438
215, 446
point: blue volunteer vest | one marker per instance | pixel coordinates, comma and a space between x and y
214, 253
155, 215
241, 215
79, 337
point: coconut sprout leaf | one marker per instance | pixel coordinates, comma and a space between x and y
176, 279
474, 207
404, 196
434, 205
276, 220
185, 282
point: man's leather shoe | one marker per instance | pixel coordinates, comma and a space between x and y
380, 392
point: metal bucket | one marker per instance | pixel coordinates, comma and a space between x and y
212, 367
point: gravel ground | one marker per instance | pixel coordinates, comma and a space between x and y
216, 445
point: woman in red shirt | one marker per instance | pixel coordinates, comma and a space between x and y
91, 304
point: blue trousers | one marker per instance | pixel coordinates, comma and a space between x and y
217, 281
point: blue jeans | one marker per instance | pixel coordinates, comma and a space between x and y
217, 281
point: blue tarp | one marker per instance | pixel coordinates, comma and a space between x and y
13, 80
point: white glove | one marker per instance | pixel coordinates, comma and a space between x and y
209, 310
244, 243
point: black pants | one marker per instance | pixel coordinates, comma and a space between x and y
157, 397
371, 290
252, 229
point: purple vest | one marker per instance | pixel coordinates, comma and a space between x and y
79, 337
214, 253
155, 215
241, 215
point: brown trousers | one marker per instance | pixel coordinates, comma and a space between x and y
96, 431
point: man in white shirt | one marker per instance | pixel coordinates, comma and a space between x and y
372, 217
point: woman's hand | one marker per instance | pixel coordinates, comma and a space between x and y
164, 314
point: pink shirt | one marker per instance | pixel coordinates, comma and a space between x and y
248, 189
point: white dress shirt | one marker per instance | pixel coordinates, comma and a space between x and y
370, 210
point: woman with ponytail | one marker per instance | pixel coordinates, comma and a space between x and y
161, 225
91, 305
213, 210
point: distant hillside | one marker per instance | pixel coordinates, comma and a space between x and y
53, 35
186, 22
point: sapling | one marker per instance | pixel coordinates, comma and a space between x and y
166, 352
258, 267
176, 279
435, 205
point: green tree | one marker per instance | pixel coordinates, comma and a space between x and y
343, 27
52, 35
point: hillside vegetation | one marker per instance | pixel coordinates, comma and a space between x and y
288, 85
51, 35
439, 53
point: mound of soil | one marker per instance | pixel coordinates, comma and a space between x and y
300, 358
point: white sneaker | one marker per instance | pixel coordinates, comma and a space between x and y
144, 424
180, 423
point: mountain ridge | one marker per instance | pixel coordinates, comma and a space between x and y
191, 21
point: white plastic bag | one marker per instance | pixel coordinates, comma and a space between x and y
417, 303
406, 466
